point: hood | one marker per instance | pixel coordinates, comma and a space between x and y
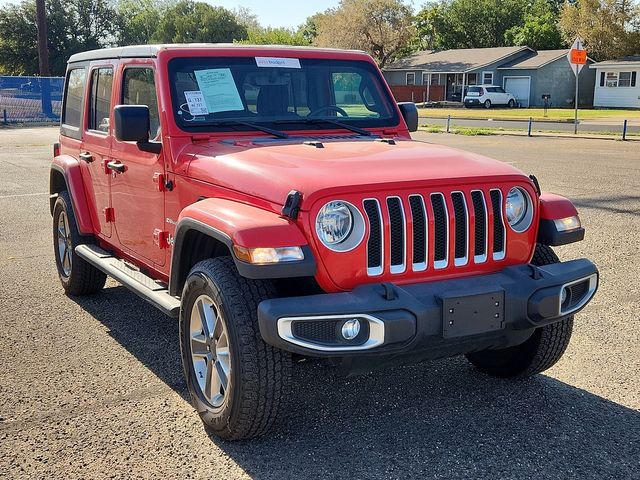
272, 169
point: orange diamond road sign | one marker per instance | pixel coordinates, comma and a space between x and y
578, 57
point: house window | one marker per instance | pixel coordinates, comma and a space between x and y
472, 79
411, 78
435, 79
624, 79
618, 79
487, 78
425, 78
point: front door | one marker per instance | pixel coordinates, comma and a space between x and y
95, 151
137, 192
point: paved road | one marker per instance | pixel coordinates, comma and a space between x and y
92, 387
583, 127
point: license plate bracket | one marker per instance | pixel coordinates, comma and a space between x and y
472, 314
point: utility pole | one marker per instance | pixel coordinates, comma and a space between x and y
43, 51
43, 58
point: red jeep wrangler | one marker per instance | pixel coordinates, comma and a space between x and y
272, 199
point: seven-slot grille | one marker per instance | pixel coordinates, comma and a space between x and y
468, 210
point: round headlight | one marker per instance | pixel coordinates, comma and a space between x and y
340, 226
334, 223
518, 209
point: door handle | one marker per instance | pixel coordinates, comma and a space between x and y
86, 156
116, 166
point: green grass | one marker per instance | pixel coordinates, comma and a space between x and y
475, 131
557, 114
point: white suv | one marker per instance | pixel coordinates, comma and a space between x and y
488, 95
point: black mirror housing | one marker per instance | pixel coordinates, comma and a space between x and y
410, 114
132, 123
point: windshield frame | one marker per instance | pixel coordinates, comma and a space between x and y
391, 122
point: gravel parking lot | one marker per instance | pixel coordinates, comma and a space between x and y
92, 387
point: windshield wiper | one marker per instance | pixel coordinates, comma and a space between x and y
232, 123
330, 121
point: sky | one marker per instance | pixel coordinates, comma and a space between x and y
280, 13
276, 13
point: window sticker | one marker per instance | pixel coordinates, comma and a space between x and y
196, 102
219, 90
274, 62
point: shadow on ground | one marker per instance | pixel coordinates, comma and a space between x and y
441, 419
617, 204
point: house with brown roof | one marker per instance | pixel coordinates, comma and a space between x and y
526, 73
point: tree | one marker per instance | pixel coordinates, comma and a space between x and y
609, 28
275, 36
189, 21
73, 26
540, 30
470, 23
138, 20
383, 28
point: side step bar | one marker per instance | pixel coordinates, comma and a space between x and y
146, 287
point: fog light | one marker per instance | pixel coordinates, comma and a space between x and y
564, 295
351, 329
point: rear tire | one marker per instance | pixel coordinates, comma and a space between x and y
243, 401
487, 104
78, 277
540, 352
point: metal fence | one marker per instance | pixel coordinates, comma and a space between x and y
30, 99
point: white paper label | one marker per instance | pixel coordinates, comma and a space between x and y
219, 90
196, 103
274, 62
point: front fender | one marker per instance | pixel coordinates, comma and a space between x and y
555, 207
69, 168
239, 224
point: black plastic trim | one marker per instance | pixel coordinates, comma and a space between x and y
548, 234
303, 268
414, 317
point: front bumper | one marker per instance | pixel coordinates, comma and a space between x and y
430, 320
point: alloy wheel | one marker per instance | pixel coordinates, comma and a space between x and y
210, 351
64, 244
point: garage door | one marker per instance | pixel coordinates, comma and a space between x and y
519, 88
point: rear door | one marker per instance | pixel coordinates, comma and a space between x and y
137, 193
95, 151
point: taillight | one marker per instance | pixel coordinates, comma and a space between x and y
56, 149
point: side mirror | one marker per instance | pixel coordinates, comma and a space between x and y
410, 114
132, 125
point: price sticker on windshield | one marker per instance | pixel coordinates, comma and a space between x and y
196, 102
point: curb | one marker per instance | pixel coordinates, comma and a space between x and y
548, 135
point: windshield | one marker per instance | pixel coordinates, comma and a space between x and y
223, 94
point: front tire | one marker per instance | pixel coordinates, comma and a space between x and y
512, 103
540, 352
78, 277
236, 381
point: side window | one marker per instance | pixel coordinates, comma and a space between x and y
139, 88
500, 90
351, 96
100, 99
73, 98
